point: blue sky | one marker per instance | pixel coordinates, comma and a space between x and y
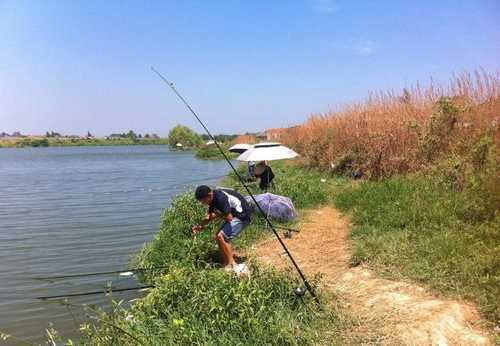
73, 66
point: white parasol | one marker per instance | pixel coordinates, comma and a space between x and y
267, 152
240, 148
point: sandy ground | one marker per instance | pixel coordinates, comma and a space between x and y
388, 312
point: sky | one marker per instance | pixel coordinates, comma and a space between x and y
78, 66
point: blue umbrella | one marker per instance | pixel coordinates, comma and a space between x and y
277, 207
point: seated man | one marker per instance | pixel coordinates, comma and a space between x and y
265, 174
234, 210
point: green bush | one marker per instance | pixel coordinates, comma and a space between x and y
194, 303
211, 152
210, 307
185, 136
174, 244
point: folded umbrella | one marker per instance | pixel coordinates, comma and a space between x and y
276, 207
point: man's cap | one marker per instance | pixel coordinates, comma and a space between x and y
202, 191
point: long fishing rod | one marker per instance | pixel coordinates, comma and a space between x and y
94, 292
169, 188
123, 272
126, 272
302, 276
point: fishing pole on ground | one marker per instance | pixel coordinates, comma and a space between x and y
240, 178
105, 291
126, 272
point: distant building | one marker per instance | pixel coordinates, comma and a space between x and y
247, 138
274, 134
114, 136
261, 135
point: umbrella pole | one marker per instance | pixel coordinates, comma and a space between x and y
268, 222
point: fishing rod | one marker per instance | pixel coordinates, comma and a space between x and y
126, 272
287, 229
94, 292
240, 178
170, 188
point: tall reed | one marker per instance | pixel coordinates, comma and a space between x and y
398, 132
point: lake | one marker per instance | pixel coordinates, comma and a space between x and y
80, 209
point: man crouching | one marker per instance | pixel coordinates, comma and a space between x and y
234, 210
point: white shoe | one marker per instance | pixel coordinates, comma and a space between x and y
241, 269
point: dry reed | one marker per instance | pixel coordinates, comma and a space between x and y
391, 133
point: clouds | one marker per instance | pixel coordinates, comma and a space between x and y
325, 6
364, 47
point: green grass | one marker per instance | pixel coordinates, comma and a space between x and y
211, 152
210, 307
196, 303
304, 186
422, 229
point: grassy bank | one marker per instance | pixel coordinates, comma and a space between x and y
194, 302
74, 142
211, 152
422, 229
430, 210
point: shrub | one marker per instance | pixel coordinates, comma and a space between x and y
195, 304
211, 152
183, 135
208, 307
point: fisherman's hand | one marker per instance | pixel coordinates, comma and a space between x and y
196, 229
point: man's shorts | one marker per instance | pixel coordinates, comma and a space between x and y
232, 229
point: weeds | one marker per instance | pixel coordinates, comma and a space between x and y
211, 152
424, 229
306, 187
195, 304
391, 134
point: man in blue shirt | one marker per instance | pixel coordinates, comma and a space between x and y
233, 209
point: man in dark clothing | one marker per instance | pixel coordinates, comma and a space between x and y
265, 174
233, 209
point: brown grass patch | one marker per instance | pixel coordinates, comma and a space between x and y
393, 133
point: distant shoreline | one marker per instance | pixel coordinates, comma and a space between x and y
36, 142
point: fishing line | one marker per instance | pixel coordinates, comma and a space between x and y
122, 272
170, 188
107, 291
297, 268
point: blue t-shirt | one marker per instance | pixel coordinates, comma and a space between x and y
229, 201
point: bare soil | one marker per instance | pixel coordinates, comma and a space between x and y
387, 312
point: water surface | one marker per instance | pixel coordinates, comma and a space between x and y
80, 209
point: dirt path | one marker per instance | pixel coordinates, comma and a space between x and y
389, 312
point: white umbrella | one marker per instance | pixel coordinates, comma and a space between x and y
267, 152
240, 148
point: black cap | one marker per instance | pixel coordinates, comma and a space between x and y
202, 191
